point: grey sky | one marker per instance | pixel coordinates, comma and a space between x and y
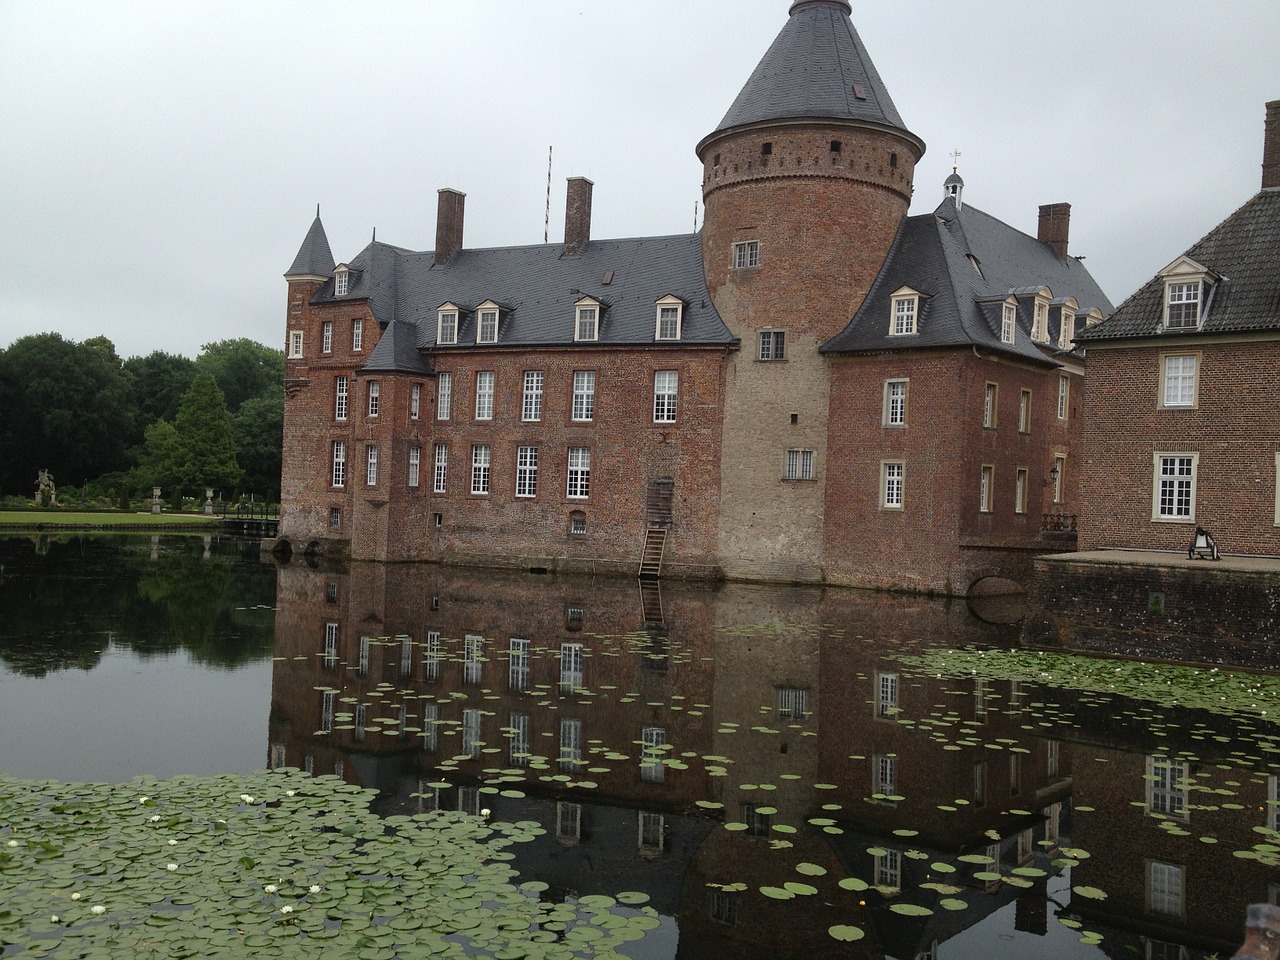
162, 161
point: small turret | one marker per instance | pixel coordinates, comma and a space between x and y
314, 260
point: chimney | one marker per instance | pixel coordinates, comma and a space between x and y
449, 223
1271, 147
1055, 227
577, 214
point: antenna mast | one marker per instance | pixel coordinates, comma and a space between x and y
546, 222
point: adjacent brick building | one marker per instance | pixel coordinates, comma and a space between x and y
811, 383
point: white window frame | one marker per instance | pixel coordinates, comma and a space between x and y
1166, 888
481, 465
341, 394
886, 704
1179, 389
375, 398
531, 400
578, 474
884, 777
572, 666
440, 473
888, 870
341, 282
1008, 322
586, 321
415, 401
1040, 321
1059, 478
326, 337
487, 323
295, 344
666, 389
447, 324
357, 335
799, 465
526, 472
570, 752
1179, 301
746, 254
415, 465
771, 345
371, 465
338, 471
444, 396
1024, 411
1020, 490
1064, 396
986, 487
652, 752
990, 403
792, 702
519, 675
904, 312
1168, 792
892, 484
1168, 478
485, 380
669, 319
1066, 328
894, 411
584, 396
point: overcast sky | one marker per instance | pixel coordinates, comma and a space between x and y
161, 162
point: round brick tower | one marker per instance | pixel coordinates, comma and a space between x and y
805, 183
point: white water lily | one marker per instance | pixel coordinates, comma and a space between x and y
76, 896
155, 817
171, 867
315, 888
245, 798
98, 909
286, 909
143, 799
173, 843
13, 843
54, 918
290, 793
270, 888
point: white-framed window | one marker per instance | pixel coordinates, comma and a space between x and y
979, 796
340, 386
328, 701
472, 659
799, 465
1165, 892
886, 707
584, 395
651, 832
526, 471
357, 335
295, 344
518, 671
480, 456
330, 645
531, 404
371, 465
570, 742
444, 396
1174, 487
441, 468
415, 401
1059, 478
669, 320
447, 324
484, 395
579, 475
792, 702
375, 397
1040, 321
884, 777
888, 870
471, 719
586, 325
431, 656
415, 464
1008, 322
571, 667
1064, 396
1020, 491
990, 397
1167, 787
568, 821
746, 254
1066, 328
986, 487
335, 518
905, 306
665, 387
773, 345
1182, 305
339, 472
894, 413
1024, 412
577, 523
326, 337
891, 485
1178, 379
652, 751
487, 325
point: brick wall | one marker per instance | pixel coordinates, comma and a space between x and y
1234, 428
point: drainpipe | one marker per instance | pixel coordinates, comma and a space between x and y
1261, 934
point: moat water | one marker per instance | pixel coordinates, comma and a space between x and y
770, 767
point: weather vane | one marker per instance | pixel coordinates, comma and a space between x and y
955, 159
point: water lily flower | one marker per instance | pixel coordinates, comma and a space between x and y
155, 817
290, 793
143, 799
54, 918
270, 888
98, 909
245, 798
13, 843
173, 843
76, 896
286, 909
315, 888
171, 867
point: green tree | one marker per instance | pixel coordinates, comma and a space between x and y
66, 409
159, 381
163, 456
243, 368
204, 431
259, 433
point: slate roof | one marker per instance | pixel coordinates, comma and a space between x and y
314, 258
960, 306
812, 71
1244, 251
538, 288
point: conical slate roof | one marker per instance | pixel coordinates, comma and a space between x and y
816, 68
314, 258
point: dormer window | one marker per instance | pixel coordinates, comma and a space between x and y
669, 319
587, 320
1067, 323
905, 310
447, 324
1040, 321
1182, 305
1008, 321
341, 282
487, 323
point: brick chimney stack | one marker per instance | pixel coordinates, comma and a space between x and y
1271, 147
577, 214
1055, 227
449, 211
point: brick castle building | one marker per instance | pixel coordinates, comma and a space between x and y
815, 387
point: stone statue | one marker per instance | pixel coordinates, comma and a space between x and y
46, 494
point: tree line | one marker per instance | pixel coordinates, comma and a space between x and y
114, 428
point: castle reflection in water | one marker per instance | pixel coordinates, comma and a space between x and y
700, 743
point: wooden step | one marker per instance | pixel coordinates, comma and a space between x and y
655, 543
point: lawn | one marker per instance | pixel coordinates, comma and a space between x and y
33, 518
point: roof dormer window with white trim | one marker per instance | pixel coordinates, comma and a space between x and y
1040, 321
1187, 285
1008, 321
1067, 323
903, 314
341, 281
487, 322
670, 318
447, 324
586, 326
